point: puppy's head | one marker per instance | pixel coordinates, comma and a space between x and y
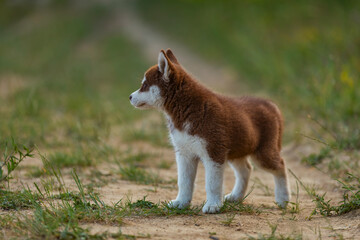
155, 83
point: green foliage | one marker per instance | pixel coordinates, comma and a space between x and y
60, 213
136, 159
35, 172
350, 202
59, 160
64, 88
165, 165
337, 162
139, 175
17, 200
144, 207
132, 168
294, 207
64, 221
155, 133
12, 13
316, 158
228, 220
239, 207
12, 157
274, 236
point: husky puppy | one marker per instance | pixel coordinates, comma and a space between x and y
213, 128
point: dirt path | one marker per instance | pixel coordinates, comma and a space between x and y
243, 225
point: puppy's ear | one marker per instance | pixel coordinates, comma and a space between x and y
171, 56
165, 65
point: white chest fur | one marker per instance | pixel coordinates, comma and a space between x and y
185, 143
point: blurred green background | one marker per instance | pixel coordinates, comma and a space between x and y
65, 77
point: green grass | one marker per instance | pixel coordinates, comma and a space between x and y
239, 207
66, 88
64, 218
336, 162
275, 236
154, 133
137, 159
229, 218
65, 83
294, 207
316, 158
34, 171
58, 212
12, 14
350, 202
144, 207
60, 159
325, 207
17, 200
140, 176
134, 168
165, 165
11, 158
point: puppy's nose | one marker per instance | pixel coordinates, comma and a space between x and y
130, 97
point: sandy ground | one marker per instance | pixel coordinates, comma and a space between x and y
211, 226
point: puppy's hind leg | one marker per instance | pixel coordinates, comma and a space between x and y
282, 188
242, 169
274, 164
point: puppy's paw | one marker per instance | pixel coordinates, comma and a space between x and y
282, 203
231, 198
212, 207
282, 199
178, 204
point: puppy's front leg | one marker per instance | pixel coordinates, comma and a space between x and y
187, 167
214, 182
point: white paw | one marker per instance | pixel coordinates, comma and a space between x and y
231, 197
178, 204
282, 200
282, 204
212, 207
282, 191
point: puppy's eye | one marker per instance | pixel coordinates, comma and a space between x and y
144, 85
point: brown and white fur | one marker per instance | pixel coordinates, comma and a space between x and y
214, 129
